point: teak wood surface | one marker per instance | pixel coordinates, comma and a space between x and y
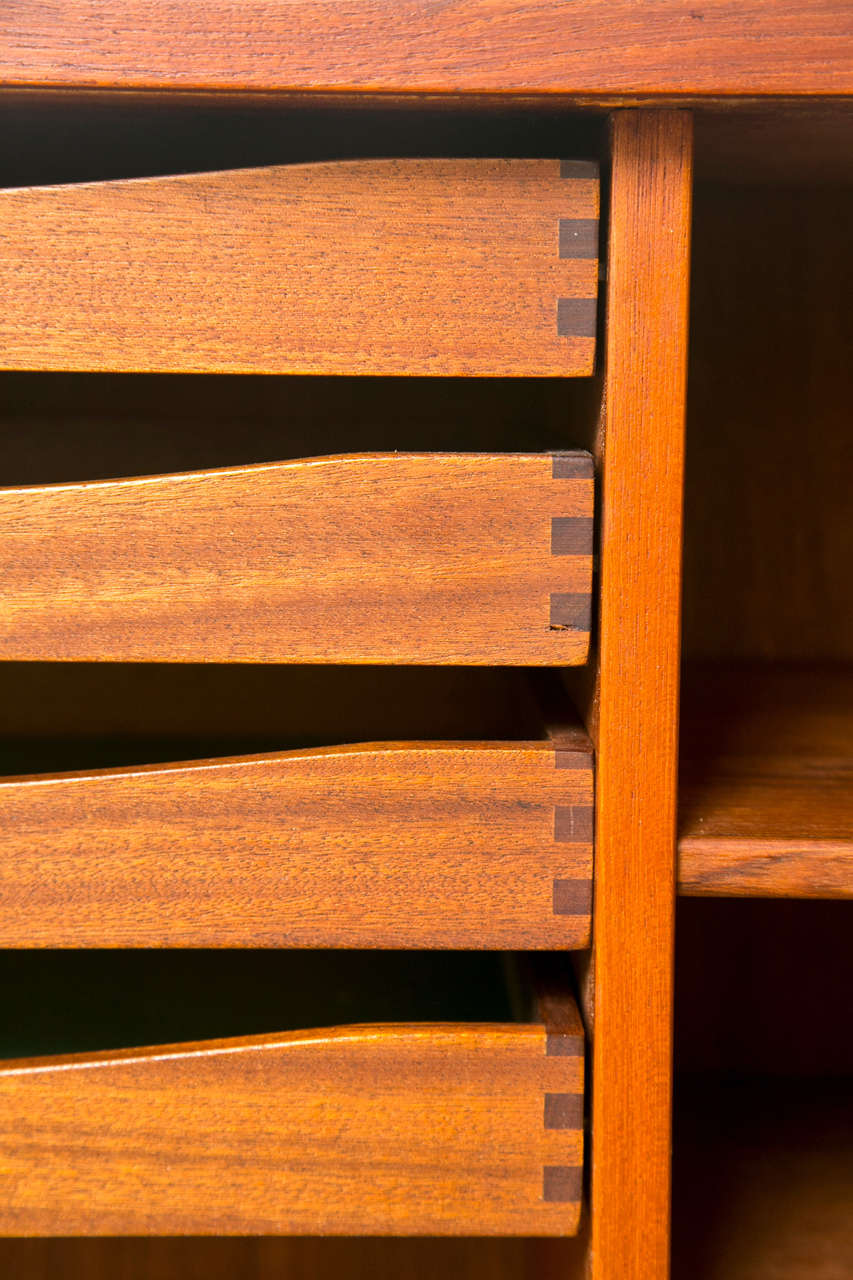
766, 793
398, 1129
395, 558
601, 48
471, 845
634, 716
416, 266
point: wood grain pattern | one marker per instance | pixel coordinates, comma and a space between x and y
418, 1129
398, 558
634, 720
766, 792
381, 266
388, 845
499, 46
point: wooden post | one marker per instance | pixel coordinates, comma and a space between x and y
641, 451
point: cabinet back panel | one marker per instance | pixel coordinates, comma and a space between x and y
62, 428
769, 539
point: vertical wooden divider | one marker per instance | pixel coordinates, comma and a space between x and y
634, 719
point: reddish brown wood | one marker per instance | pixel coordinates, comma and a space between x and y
603, 47
389, 845
410, 266
635, 721
398, 558
768, 542
270, 1257
418, 1129
766, 793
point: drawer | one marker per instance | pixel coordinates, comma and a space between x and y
397, 1126
375, 558
414, 266
411, 842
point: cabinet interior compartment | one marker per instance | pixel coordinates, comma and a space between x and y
763, 1118
60, 717
767, 727
763, 1122
55, 137
69, 1002
64, 428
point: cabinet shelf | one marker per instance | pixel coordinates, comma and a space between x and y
766, 795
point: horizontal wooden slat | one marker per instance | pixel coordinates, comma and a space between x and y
399, 558
470, 46
395, 1129
381, 266
390, 845
766, 793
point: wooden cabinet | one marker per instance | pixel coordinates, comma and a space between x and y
323, 287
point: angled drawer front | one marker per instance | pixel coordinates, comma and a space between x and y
418, 1128
385, 558
466, 267
390, 845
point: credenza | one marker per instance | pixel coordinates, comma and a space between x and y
426, 813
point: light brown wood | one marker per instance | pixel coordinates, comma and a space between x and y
398, 558
478, 845
383, 266
766, 792
419, 1129
634, 721
764, 1180
603, 47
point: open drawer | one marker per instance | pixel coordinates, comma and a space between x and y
411, 266
424, 839
397, 558
417, 1120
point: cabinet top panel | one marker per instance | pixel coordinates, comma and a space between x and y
600, 48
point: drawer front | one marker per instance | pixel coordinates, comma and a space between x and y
451, 267
421, 1129
393, 845
383, 558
